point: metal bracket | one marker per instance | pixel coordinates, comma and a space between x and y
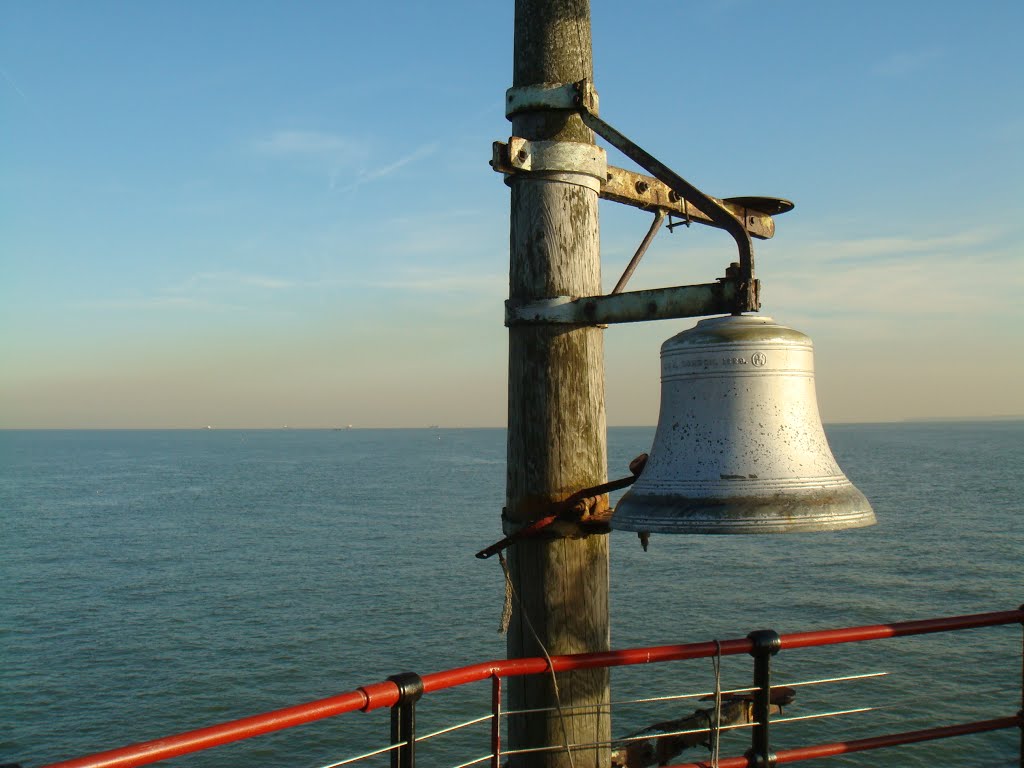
717, 298
746, 301
737, 292
646, 192
575, 162
570, 96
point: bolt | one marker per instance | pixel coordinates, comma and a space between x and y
673, 196
642, 187
523, 154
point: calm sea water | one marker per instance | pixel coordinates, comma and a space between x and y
160, 581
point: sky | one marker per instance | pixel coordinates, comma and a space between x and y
272, 213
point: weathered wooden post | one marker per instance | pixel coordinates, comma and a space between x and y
556, 421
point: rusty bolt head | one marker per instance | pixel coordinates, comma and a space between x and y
673, 196
642, 186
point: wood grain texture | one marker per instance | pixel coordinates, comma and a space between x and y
556, 426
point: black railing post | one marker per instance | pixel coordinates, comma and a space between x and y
1020, 712
495, 721
403, 719
766, 644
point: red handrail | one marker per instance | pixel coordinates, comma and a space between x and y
385, 694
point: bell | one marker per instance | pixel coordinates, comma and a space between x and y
739, 446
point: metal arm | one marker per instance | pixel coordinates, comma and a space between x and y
746, 295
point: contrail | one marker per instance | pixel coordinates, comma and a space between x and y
14, 85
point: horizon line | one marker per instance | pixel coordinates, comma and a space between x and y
353, 428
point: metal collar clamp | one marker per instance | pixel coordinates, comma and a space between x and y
567, 161
573, 96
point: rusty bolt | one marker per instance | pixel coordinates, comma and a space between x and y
642, 186
673, 196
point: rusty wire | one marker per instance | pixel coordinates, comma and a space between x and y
575, 508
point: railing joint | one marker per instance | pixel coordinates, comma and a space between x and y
758, 760
403, 719
765, 641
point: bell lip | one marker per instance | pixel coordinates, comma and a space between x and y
816, 511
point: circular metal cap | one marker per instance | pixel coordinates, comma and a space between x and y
770, 206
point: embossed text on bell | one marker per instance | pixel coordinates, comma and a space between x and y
740, 446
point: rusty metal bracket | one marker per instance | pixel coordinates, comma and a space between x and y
641, 191
570, 96
647, 193
668, 192
746, 299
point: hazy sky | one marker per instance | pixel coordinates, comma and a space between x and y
270, 213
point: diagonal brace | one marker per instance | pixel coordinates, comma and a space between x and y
746, 298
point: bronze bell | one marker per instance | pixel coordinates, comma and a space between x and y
739, 446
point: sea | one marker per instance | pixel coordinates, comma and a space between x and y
153, 582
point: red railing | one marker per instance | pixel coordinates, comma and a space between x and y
390, 694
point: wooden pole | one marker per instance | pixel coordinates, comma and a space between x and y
556, 422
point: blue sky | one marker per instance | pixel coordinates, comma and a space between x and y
277, 213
